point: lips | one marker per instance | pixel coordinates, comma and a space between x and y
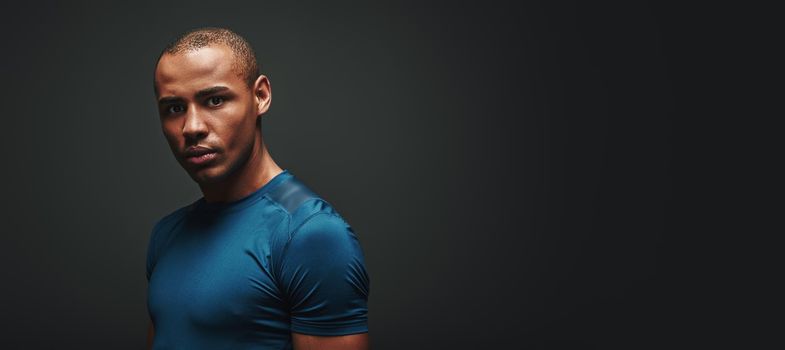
195, 151
199, 155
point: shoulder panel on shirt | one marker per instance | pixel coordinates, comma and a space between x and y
299, 201
290, 194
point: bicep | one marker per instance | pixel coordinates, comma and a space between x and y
341, 342
324, 279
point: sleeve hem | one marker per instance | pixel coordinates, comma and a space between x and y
330, 330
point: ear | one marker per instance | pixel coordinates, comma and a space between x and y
262, 94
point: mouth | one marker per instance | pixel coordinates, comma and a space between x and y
199, 155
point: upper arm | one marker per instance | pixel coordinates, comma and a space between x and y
345, 342
323, 277
150, 336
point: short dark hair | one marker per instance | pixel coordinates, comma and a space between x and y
244, 57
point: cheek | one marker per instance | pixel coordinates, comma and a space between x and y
236, 137
171, 135
237, 131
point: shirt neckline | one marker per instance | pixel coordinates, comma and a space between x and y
253, 197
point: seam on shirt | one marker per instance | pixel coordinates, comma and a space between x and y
273, 256
271, 259
298, 207
309, 218
277, 206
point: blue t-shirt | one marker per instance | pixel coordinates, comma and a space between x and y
245, 274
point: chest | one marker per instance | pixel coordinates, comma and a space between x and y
218, 277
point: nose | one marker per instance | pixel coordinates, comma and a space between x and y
194, 127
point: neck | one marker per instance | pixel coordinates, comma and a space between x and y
255, 173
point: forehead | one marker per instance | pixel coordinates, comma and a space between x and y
186, 72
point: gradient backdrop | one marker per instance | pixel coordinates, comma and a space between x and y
506, 166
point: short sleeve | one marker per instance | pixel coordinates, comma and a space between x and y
152, 249
323, 277
160, 237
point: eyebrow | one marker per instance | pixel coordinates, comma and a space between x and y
199, 94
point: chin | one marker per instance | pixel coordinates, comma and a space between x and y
207, 176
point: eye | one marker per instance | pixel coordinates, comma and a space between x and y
215, 101
175, 109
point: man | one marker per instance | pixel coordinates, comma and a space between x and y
260, 261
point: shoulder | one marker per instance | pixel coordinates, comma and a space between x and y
164, 226
299, 202
162, 233
311, 217
173, 218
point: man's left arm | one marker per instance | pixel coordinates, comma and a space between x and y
341, 342
324, 278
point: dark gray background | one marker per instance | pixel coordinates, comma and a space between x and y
506, 166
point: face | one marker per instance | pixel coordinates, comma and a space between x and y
208, 113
